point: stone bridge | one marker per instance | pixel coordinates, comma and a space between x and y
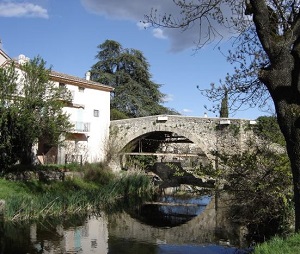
206, 135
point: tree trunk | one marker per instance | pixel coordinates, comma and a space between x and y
291, 130
282, 82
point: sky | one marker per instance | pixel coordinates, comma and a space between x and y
66, 33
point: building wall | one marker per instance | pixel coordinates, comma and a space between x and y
3, 56
91, 117
2, 59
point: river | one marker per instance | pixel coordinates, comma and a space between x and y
168, 226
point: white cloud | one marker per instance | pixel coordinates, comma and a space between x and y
158, 33
135, 10
13, 9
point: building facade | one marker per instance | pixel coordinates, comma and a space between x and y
89, 112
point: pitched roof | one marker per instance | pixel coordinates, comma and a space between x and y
65, 78
5, 56
72, 80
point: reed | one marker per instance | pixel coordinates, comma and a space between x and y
36, 200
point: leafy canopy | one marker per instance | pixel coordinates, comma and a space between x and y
127, 70
31, 111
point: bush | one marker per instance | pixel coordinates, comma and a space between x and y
72, 167
98, 173
116, 114
260, 185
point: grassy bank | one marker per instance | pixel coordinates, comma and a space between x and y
289, 245
99, 189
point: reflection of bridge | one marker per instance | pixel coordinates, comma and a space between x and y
188, 136
210, 225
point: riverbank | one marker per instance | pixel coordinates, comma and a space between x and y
98, 189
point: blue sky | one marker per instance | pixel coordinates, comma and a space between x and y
66, 33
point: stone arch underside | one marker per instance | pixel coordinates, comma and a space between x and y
208, 134
141, 132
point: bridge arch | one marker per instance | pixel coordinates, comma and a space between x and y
165, 129
207, 134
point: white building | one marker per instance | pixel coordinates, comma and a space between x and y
89, 111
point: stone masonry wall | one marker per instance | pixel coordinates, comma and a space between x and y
209, 134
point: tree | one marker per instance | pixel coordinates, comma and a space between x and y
224, 105
127, 70
117, 115
267, 54
33, 110
8, 87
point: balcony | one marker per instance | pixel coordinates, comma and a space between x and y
81, 126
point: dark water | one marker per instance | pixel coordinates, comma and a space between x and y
166, 229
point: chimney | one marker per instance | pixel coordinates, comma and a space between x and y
88, 75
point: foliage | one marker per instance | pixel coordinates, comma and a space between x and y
8, 87
277, 245
207, 169
98, 173
127, 70
31, 111
140, 162
268, 129
111, 146
73, 167
260, 183
224, 112
35, 200
135, 183
115, 114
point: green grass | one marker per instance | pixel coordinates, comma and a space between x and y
99, 190
277, 245
10, 188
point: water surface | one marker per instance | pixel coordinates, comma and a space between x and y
202, 230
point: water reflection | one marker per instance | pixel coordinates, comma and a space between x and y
77, 235
120, 233
171, 211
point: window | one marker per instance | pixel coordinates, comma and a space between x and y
62, 85
81, 89
96, 113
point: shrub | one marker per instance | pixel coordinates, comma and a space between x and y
98, 173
